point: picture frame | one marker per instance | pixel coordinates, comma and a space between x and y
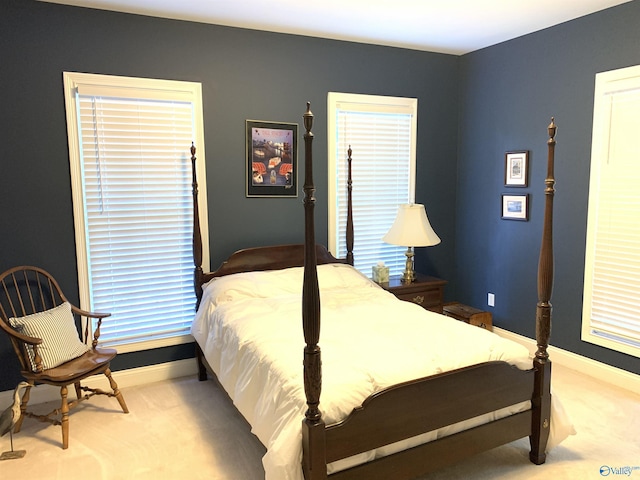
516, 168
271, 159
515, 207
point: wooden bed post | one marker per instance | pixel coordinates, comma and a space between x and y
197, 238
542, 391
197, 257
314, 464
349, 211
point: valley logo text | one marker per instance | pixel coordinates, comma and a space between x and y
606, 470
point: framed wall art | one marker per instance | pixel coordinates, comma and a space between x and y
272, 153
515, 207
516, 169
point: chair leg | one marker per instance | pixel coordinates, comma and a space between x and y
78, 390
64, 410
116, 391
23, 408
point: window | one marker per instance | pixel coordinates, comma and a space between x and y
129, 141
612, 262
382, 134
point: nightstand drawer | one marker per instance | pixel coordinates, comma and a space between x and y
425, 298
428, 292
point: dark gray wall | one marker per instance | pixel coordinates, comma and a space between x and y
508, 94
245, 75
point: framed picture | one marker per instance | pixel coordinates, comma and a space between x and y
515, 169
515, 207
272, 153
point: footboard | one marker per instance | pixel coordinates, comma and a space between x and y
419, 406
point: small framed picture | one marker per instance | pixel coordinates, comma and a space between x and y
515, 207
515, 169
272, 153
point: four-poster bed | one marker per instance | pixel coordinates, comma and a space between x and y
404, 419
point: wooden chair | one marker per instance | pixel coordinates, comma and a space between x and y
32, 302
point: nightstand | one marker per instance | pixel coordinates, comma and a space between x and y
424, 290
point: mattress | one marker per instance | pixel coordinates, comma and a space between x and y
249, 327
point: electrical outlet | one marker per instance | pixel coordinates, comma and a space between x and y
491, 299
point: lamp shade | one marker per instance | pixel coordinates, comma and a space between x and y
411, 228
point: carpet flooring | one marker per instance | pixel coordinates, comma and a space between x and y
185, 429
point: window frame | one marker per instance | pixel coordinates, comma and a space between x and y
372, 104
144, 88
608, 329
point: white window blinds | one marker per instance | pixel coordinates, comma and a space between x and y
612, 267
134, 208
381, 132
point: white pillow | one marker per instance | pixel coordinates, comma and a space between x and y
57, 329
288, 281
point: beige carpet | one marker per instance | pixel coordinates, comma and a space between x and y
188, 429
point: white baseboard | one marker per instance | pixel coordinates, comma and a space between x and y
125, 378
600, 371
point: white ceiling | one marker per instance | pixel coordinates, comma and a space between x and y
446, 26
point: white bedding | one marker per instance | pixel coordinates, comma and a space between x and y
249, 327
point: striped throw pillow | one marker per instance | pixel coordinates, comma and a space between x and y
57, 329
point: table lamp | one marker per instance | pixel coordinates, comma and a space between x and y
411, 228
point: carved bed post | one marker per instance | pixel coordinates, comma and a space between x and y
197, 238
542, 392
197, 257
349, 211
313, 428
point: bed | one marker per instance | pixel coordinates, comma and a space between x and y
379, 404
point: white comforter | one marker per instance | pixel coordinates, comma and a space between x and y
249, 327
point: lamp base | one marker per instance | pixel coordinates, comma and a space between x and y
409, 275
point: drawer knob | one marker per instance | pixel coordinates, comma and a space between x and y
419, 299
